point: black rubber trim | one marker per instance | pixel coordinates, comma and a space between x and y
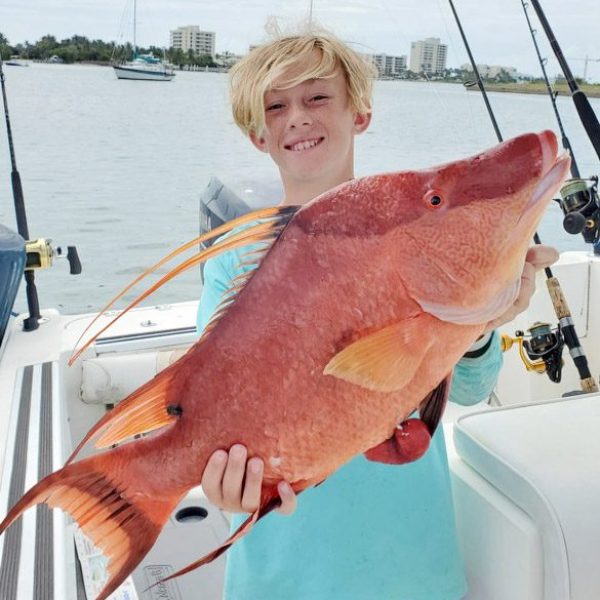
480, 351
11, 552
43, 574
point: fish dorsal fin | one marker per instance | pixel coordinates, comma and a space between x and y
143, 411
271, 222
384, 361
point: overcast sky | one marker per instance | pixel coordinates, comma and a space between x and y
496, 29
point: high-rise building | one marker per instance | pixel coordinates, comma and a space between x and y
428, 56
389, 65
191, 38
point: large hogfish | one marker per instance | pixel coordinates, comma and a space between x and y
363, 302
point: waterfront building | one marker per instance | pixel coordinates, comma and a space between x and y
491, 71
192, 38
388, 66
428, 56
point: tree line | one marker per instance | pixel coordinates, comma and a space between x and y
79, 48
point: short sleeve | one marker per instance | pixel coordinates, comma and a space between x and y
474, 378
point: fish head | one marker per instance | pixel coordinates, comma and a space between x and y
463, 229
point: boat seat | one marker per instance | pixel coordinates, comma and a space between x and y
108, 379
543, 459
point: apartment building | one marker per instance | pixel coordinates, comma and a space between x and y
388, 66
491, 71
428, 56
192, 38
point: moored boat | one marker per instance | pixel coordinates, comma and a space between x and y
144, 68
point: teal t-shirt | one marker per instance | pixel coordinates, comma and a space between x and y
369, 532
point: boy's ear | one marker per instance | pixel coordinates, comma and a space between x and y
258, 142
361, 121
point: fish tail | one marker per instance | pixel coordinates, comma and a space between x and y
124, 527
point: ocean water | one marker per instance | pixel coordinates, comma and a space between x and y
116, 167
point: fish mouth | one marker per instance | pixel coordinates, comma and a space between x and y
551, 181
554, 168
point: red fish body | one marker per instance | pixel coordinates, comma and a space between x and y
354, 318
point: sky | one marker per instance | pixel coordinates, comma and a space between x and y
496, 29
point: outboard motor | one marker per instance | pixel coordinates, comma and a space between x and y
220, 203
12, 263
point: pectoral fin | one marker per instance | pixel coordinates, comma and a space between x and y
384, 361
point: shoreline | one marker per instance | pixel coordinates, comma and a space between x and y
591, 91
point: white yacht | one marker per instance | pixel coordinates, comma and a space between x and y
145, 68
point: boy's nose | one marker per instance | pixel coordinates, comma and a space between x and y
299, 116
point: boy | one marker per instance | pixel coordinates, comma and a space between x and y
371, 531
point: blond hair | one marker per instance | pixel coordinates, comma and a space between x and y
292, 57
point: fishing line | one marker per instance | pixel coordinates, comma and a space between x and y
565, 140
453, 45
582, 104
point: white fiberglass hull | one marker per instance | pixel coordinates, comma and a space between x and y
142, 74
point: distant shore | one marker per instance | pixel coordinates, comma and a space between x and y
592, 91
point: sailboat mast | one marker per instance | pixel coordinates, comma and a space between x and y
134, 28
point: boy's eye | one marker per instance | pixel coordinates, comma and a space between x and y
318, 97
275, 106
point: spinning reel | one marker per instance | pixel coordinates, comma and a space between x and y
541, 351
581, 205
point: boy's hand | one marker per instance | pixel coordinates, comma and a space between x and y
538, 257
233, 483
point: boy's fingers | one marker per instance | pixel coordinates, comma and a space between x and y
541, 256
213, 477
252, 485
288, 498
233, 479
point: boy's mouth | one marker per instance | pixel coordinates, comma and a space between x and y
304, 144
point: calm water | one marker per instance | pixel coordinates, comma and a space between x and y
116, 167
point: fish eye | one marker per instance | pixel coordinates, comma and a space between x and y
433, 199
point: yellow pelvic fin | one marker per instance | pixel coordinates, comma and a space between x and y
384, 361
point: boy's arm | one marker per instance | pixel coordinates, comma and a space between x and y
474, 377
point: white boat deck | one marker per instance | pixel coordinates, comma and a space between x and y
524, 535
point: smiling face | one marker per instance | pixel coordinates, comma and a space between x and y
309, 133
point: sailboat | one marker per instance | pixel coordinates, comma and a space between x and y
143, 67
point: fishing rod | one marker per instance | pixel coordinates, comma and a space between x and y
580, 201
40, 252
565, 140
566, 329
582, 104
32, 321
